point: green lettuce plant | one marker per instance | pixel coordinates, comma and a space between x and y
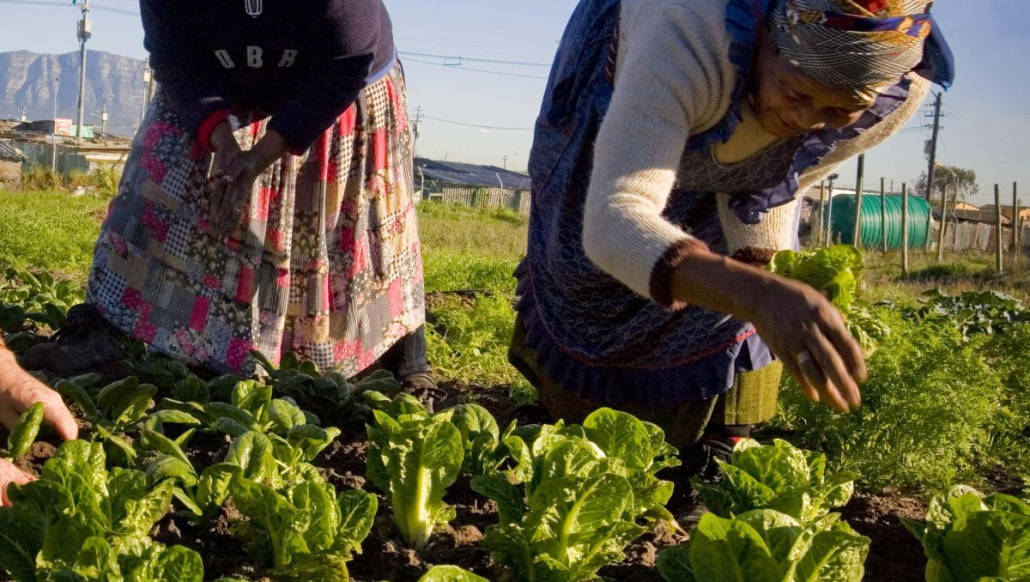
81, 521
572, 500
305, 531
767, 546
113, 410
25, 430
836, 272
450, 574
969, 537
779, 476
413, 457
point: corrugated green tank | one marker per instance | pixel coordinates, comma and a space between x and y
843, 221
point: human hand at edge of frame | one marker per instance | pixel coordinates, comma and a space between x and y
809, 335
9, 474
19, 390
239, 177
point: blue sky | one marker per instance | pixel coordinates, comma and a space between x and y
987, 124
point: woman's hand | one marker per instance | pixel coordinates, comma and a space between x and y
19, 390
234, 182
10, 474
810, 337
800, 326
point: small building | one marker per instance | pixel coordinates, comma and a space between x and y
472, 185
11, 160
40, 147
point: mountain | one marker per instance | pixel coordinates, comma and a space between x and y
27, 82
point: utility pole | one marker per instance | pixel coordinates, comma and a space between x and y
504, 160
146, 90
416, 129
85, 31
932, 166
103, 121
53, 131
856, 235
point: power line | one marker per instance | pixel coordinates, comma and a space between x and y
476, 125
459, 67
458, 60
99, 7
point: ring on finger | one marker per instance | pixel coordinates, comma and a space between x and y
804, 357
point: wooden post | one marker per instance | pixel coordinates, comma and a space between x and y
944, 220
997, 208
822, 212
829, 217
883, 212
856, 233
932, 167
1015, 224
904, 228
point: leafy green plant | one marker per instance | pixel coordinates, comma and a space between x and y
933, 410
338, 400
767, 546
20, 440
450, 574
306, 531
971, 538
29, 300
779, 476
117, 409
836, 272
413, 457
80, 521
973, 312
573, 498
480, 438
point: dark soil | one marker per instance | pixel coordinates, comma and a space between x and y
894, 554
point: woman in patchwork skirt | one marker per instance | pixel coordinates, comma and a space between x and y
268, 201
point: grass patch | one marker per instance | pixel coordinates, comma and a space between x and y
49, 231
449, 228
472, 252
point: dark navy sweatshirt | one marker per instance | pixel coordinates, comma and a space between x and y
301, 62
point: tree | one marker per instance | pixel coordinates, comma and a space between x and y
948, 177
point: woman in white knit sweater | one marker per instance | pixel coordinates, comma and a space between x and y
673, 138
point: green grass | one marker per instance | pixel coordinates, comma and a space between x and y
49, 231
958, 273
469, 256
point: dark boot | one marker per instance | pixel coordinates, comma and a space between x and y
86, 343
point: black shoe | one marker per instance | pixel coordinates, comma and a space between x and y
85, 343
700, 459
423, 386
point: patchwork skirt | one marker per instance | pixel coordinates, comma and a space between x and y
325, 261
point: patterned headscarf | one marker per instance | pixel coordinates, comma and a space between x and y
861, 45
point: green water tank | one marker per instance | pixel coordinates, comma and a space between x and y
871, 225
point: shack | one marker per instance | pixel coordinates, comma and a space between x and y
472, 185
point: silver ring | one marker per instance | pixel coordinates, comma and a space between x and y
804, 357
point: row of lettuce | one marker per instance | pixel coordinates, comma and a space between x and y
570, 498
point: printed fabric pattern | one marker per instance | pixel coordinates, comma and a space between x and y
324, 262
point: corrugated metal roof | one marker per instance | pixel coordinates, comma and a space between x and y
471, 174
9, 153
